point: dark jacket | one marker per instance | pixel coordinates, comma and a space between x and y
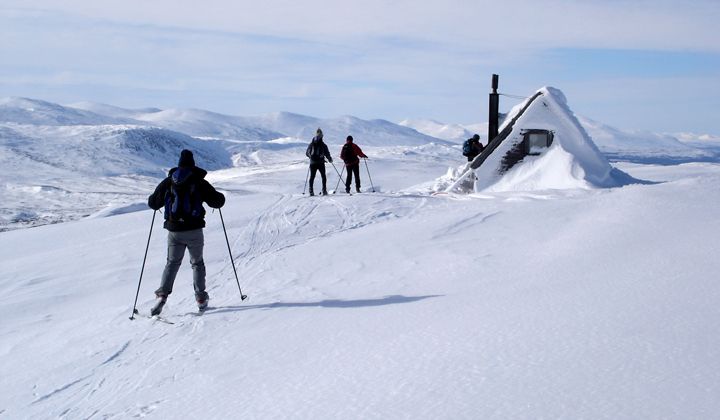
317, 151
207, 194
475, 149
351, 154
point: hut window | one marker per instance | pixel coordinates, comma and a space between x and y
537, 141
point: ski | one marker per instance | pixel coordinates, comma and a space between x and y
161, 319
200, 312
154, 317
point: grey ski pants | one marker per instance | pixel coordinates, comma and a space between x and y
194, 241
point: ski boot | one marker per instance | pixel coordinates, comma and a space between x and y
203, 303
159, 303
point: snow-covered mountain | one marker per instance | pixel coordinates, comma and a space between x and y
37, 112
272, 126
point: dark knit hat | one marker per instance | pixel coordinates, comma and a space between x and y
186, 159
349, 138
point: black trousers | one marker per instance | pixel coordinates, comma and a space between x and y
314, 167
352, 169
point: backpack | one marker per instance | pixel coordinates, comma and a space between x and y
183, 201
348, 154
467, 147
317, 151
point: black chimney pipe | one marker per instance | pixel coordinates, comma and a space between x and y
493, 118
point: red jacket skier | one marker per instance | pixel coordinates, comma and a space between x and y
351, 154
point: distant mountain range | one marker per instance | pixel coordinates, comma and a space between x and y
107, 140
64, 162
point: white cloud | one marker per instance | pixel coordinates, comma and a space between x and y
663, 24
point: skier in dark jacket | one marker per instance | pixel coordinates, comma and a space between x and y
182, 194
351, 154
472, 147
318, 151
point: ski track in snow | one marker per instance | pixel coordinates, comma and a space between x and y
292, 221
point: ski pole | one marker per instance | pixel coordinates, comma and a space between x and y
143, 267
306, 180
337, 172
334, 167
339, 179
368, 171
242, 297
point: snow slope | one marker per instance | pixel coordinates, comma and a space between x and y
555, 304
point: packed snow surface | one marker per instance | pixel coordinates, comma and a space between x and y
580, 302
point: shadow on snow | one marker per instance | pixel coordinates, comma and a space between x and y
329, 303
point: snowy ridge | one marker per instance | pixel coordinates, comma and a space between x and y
114, 111
37, 112
272, 126
209, 124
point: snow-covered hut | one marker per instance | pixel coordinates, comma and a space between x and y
540, 145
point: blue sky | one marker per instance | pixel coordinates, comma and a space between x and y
632, 64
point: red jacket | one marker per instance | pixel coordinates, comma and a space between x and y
351, 158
